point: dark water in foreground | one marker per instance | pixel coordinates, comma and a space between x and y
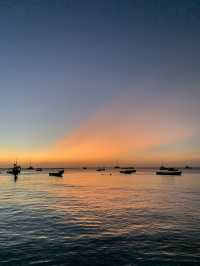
87, 218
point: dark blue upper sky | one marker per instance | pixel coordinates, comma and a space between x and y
60, 61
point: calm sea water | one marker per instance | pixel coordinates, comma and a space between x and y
89, 218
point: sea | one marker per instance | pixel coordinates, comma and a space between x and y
91, 218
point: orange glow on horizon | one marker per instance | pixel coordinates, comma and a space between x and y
124, 131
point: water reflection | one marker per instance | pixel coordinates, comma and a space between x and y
15, 178
86, 218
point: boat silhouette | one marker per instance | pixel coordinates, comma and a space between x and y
128, 170
16, 170
30, 168
100, 169
58, 174
168, 171
188, 167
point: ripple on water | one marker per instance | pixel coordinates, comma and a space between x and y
93, 219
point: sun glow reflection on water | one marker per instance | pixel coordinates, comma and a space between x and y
89, 218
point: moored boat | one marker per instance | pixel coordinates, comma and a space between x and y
126, 170
58, 174
100, 169
30, 168
15, 170
169, 171
188, 167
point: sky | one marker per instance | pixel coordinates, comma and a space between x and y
99, 82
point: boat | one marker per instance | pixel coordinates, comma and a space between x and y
38, 169
116, 167
188, 167
100, 169
58, 174
15, 170
126, 170
30, 168
10, 171
84, 168
169, 171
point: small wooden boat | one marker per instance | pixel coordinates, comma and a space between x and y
169, 171
58, 174
128, 170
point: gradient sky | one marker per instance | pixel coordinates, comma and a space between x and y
100, 81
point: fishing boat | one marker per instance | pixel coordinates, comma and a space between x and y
128, 170
58, 174
169, 171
